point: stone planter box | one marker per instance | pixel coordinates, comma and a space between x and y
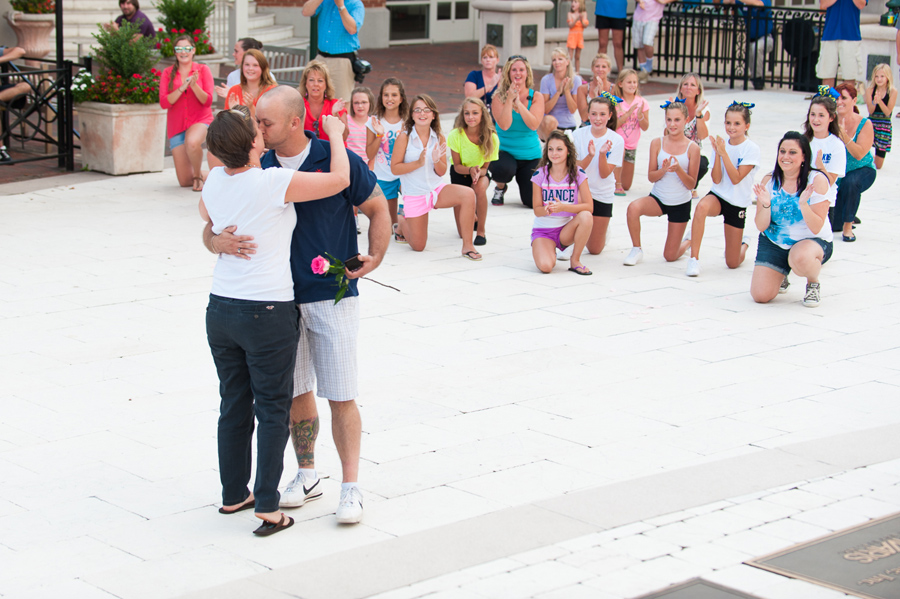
121, 139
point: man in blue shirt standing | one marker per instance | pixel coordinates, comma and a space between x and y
338, 34
841, 41
612, 15
326, 354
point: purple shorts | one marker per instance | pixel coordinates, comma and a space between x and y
548, 233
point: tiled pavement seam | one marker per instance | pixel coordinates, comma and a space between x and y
759, 502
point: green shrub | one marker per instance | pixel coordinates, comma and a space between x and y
125, 51
184, 14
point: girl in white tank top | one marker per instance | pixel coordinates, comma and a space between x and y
674, 162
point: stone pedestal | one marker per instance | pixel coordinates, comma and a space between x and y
514, 26
879, 44
120, 139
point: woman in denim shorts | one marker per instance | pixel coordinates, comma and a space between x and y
792, 216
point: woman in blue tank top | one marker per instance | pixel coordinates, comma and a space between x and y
518, 111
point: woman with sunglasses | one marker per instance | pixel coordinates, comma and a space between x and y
318, 95
186, 91
518, 112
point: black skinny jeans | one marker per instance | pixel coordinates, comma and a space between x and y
506, 167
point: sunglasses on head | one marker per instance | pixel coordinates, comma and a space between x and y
516, 57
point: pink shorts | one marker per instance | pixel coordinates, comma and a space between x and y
548, 233
414, 206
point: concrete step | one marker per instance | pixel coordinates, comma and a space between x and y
292, 42
273, 34
260, 21
103, 16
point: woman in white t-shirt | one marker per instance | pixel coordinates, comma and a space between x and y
600, 150
792, 216
732, 190
252, 322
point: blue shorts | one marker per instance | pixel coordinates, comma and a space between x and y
772, 256
176, 140
390, 189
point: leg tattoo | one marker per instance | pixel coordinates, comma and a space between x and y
303, 437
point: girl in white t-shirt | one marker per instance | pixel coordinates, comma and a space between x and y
562, 217
823, 132
732, 190
674, 162
252, 322
420, 160
391, 108
600, 150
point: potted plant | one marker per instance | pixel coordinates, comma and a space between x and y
122, 126
183, 16
33, 20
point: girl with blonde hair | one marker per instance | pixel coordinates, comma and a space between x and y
881, 96
473, 146
559, 87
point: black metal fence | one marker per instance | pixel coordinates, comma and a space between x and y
43, 117
740, 45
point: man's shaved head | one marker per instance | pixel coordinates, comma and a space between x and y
286, 100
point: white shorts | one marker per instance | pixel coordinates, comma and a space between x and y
840, 52
644, 32
326, 352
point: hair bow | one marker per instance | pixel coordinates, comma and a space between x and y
747, 105
824, 90
614, 99
670, 102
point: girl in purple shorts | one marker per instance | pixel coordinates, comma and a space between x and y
562, 217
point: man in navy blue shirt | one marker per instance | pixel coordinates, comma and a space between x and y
338, 34
326, 355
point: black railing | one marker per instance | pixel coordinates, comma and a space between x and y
721, 42
44, 115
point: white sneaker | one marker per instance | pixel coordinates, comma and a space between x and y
633, 257
299, 491
811, 299
784, 285
693, 267
350, 508
565, 254
746, 240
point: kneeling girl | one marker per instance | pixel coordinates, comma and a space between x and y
562, 217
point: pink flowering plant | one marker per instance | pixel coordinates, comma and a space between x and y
332, 266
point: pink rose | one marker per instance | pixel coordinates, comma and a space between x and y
320, 265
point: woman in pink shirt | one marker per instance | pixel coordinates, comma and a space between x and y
186, 91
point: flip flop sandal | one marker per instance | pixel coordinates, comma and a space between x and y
470, 255
398, 236
620, 191
270, 528
195, 184
246, 506
581, 270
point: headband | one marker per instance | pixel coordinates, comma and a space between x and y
747, 105
824, 90
670, 102
614, 99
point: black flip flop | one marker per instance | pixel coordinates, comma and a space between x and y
246, 506
581, 270
270, 528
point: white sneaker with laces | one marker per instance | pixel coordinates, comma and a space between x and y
634, 256
299, 491
811, 299
693, 267
350, 508
566, 254
784, 285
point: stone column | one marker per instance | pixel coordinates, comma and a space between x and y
514, 26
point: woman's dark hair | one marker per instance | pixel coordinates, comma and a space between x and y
174, 67
831, 108
248, 43
134, 3
742, 110
805, 166
571, 158
613, 122
403, 109
230, 136
410, 123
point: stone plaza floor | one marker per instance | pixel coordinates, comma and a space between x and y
525, 435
